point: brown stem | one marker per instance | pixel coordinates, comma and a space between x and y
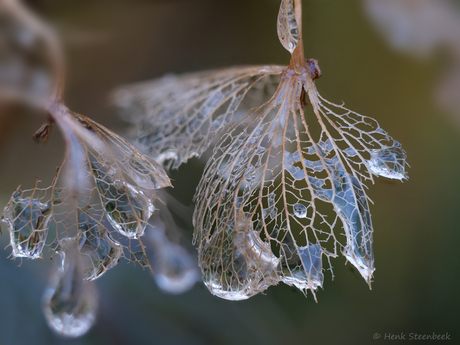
57, 60
298, 57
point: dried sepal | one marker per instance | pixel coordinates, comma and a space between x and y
116, 184
289, 182
177, 117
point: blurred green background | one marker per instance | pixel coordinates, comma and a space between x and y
416, 223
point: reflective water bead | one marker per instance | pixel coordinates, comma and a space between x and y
146, 173
69, 304
28, 222
300, 210
238, 264
288, 31
389, 162
127, 208
175, 270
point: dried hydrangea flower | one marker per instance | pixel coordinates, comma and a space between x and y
283, 179
100, 200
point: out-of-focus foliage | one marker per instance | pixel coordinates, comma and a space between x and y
422, 28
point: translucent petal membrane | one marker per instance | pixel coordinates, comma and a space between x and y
126, 207
294, 187
352, 207
305, 268
288, 31
389, 162
99, 251
28, 222
177, 117
237, 264
69, 303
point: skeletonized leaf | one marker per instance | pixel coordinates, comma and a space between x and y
293, 189
103, 212
177, 117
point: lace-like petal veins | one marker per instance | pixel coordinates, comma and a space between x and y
130, 163
293, 187
288, 31
177, 117
366, 147
126, 180
99, 251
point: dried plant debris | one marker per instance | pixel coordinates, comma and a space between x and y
284, 191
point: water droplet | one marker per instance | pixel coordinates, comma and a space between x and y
69, 303
238, 265
175, 270
28, 222
288, 32
389, 162
300, 210
100, 252
127, 208
145, 172
306, 271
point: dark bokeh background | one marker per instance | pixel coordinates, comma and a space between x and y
416, 223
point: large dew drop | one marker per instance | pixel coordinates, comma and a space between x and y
238, 264
28, 222
127, 208
146, 173
389, 162
300, 211
69, 303
175, 270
